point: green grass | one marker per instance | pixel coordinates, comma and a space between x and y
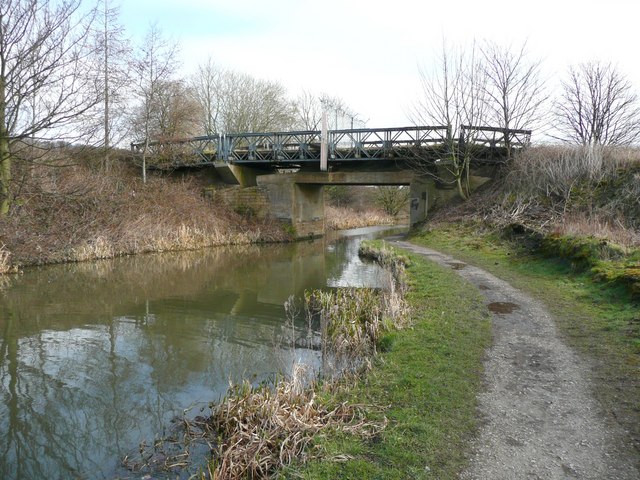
425, 383
600, 320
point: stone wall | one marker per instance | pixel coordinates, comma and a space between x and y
252, 201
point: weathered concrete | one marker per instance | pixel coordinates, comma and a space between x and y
298, 199
300, 205
245, 176
422, 194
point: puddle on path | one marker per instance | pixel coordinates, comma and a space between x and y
483, 287
457, 265
502, 307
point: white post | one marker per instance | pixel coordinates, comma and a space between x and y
324, 139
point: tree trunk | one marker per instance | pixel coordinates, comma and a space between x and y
5, 175
5, 154
106, 89
461, 189
144, 160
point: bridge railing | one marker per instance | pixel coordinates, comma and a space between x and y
273, 146
495, 137
202, 149
301, 146
367, 143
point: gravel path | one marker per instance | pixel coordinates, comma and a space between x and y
538, 417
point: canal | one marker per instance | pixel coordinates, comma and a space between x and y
97, 357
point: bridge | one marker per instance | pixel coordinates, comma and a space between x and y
290, 168
300, 148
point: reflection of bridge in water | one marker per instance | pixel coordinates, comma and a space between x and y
289, 169
304, 148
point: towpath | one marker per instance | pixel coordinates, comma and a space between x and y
538, 417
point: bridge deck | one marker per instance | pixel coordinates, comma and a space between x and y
289, 149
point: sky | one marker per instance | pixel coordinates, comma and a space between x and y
369, 52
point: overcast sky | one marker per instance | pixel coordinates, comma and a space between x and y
368, 52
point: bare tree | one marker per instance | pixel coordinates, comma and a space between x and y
308, 111
392, 199
155, 63
514, 90
45, 79
453, 96
208, 88
113, 54
254, 105
174, 114
598, 107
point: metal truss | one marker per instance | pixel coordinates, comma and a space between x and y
382, 143
495, 137
275, 147
295, 148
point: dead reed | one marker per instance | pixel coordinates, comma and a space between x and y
265, 428
353, 320
589, 191
5, 264
343, 218
254, 431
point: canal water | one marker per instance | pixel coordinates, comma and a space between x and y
97, 357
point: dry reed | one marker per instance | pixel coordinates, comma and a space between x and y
352, 320
255, 431
343, 218
263, 429
5, 263
588, 191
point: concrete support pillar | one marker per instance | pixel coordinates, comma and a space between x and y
308, 210
300, 205
422, 192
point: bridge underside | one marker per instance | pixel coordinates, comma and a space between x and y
298, 198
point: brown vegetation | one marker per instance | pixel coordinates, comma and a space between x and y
80, 213
589, 191
342, 218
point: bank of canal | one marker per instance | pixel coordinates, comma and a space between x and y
96, 358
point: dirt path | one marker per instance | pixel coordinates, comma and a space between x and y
538, 417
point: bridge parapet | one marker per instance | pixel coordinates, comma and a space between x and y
288, 149
269, 147
495, 137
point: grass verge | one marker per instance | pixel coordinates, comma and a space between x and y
601, 320
426, 377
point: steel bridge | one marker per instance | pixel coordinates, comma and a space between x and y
303, 148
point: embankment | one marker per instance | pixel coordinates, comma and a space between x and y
563, 225
75, 210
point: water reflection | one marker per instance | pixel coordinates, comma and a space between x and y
97, 357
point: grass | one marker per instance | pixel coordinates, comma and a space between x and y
601, 320
426, 380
